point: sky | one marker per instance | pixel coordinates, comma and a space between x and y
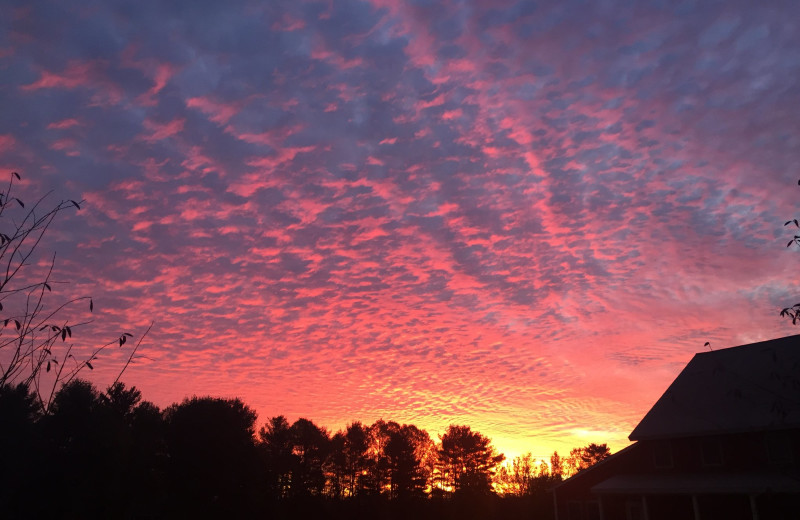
521, 216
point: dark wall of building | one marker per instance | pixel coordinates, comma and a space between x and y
774, 452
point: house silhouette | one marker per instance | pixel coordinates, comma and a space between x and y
723, 442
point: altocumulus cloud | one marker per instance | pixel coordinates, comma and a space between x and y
519, 216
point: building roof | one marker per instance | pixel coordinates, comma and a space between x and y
753, 387
693, 483
611, 460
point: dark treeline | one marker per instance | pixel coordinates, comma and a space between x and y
115, 455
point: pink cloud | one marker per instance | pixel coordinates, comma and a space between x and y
289, 23
68, 146
334, 59
158, 131
163, 73
7, 143
88, 75
449, 115
75, 74
63, 124
219, 113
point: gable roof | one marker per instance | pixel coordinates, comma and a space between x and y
751, 387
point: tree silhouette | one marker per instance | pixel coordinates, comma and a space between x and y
36, 346
378, 478
23, 455
310, 447
407, 452
793, 312
275, 443
296, 457
356, 458
137, 459
349, 463
467, 461
524, 478
518, 477
102, 453
114, 455
556, 466
582, 458
213, 468
79, 452
336, 467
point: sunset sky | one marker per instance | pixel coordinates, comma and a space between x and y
524, 217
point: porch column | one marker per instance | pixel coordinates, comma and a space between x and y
695, 507
555, 504
754, 507
645, 512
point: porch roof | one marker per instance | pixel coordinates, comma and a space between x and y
699, 484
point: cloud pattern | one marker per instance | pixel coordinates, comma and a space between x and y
521, 216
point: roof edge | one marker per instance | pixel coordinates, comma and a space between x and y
705, 433
592, 467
